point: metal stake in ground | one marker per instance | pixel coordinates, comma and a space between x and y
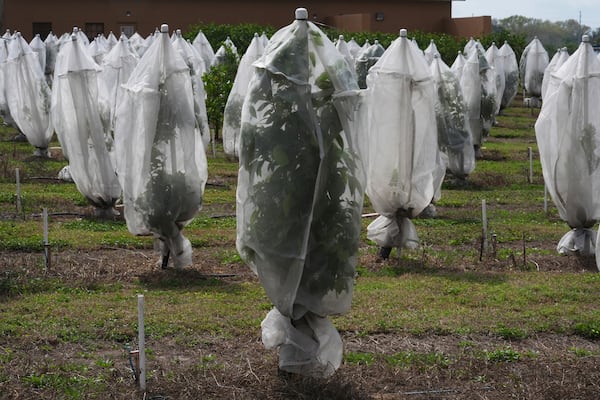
142, 343
18, 178
46, 241
484, 243
530, 165
545, 199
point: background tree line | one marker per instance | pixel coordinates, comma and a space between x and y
517, 30
553, 35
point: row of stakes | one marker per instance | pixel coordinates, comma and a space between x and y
46, 243
139, 367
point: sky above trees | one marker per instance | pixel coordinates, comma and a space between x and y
552, 10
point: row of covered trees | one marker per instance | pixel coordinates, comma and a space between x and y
318, 129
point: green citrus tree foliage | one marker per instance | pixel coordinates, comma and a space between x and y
217, 84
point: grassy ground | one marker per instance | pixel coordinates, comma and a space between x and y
446, 321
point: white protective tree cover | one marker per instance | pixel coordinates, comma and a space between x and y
264, 39
101, 39
64, 38
364, 47
221, 53
532, 65
196, 66
52, 45
232, 117
568, 136
478, 84
117, 67
161, 160
38, 46
28, 94
430, 52
342, 46
354, 48
559, 58
81, 36
203, 46
511, 74
98, 49
495, 61
458, 65
470, 45
365, 59
138, 43
403, 171
300, 193
81, 129
112, 40
454, 138
4, 110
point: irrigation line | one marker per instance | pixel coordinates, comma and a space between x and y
60, 214
434, 391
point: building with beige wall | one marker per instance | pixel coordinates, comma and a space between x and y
143, 16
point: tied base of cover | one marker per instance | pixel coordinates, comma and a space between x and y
65, 174
578, 241
389, 232
179, 248
106, 213
41, 152
309, 346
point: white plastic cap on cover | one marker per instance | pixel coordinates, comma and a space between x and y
403, 32
301, 13
164, 28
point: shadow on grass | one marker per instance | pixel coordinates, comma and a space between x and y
407, 266
335, 388
185, 278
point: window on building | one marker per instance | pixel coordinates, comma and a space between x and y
128, 29
93, 29
41, 28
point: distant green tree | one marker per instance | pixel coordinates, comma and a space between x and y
553, 35
218, 82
